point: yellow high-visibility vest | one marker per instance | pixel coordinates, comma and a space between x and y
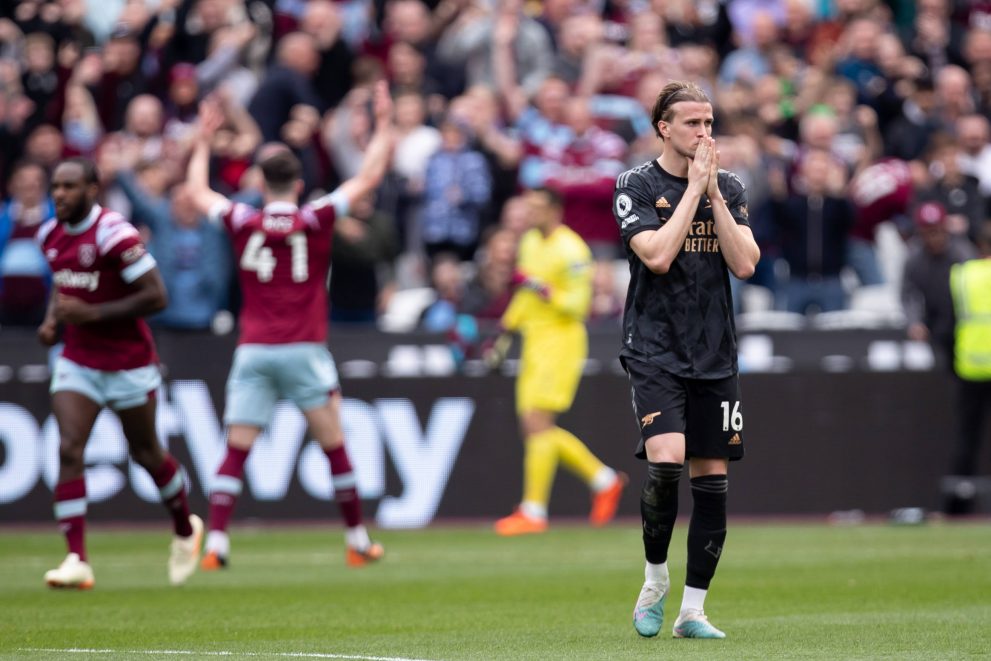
970, 284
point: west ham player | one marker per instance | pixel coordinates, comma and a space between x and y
684, 224
104, 284
283, 253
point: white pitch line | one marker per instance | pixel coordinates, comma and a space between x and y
291, 655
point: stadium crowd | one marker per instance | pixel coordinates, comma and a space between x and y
839, 116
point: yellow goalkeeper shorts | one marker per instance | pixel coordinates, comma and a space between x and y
550, 368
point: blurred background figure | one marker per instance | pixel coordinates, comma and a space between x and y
457, 188
925, 291
365, 246
970, 283
814, 222
24, 274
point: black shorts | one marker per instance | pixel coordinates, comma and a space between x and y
708, 412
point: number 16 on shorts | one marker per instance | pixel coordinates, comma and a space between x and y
732, 415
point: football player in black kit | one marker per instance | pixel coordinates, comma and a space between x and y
684, 224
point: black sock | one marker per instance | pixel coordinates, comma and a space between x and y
707, 530
659, 509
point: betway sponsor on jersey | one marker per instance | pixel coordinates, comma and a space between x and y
382, 435
66, 279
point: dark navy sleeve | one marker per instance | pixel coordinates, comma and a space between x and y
735, 194
633, 206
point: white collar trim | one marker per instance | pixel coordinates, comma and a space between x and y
86, 223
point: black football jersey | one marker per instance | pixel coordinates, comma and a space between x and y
681, 321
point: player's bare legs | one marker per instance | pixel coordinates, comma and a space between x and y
325, 426
224, 491
138, 423
75, 415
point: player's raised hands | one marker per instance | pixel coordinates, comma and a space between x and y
700, 166
713, 188
382, 104
211, 117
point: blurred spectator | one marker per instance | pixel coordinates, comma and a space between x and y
908, 135
45, 146
495, 141
224, 68
814, 223
488, 292
577, 36
858, 141
287, 83
364, 247
974, 134
457, 188
955, 94
415, 144
933, 37
142, 135
859, 58
880, 193
514, 216
234, 144
476, 34
81, 126
181, 98
752, 60
704, 22
322, 20
925, 290
447, 279
193, 255
24, 273
607, 303
613, 69
584, 175
409, 22
959, 193
120, 78
40, 80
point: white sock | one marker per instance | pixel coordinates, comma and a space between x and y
656, 573
534, 510
218, 542
693, 598
357, 538
603, 479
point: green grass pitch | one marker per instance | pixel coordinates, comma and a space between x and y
459, 593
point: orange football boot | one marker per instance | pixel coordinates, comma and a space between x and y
519, 523
373, 553
605, 502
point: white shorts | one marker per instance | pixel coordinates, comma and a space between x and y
262, 374
122, 389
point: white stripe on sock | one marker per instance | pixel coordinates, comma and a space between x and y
603, 479
173, 487
226, 484
533, 510
65, 509
344, 481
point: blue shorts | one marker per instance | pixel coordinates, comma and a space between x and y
121, 389
262, 374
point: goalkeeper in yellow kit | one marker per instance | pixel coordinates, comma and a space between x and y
553, 284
